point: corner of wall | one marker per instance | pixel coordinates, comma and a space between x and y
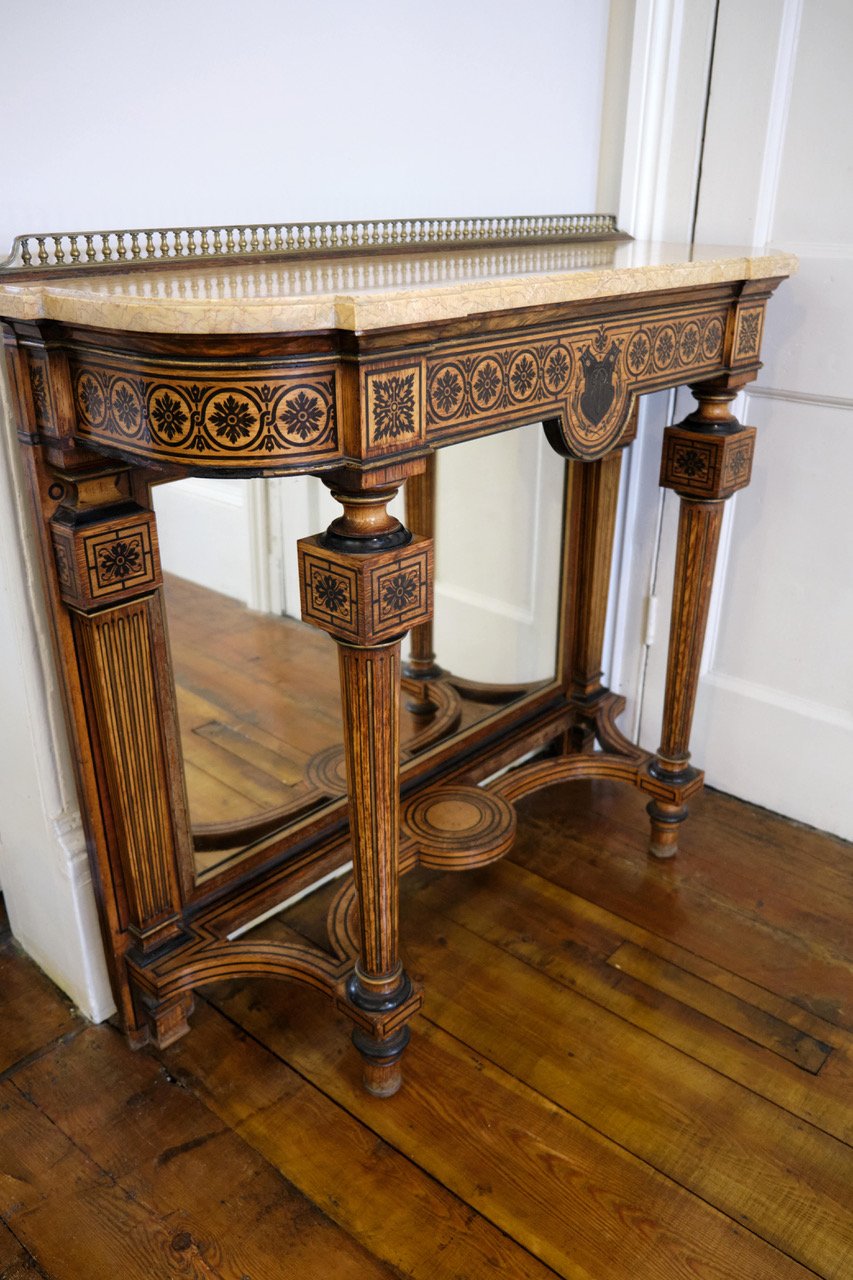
44, 869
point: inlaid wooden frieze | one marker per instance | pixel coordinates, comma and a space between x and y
583, 375
366, 599
303, 411
221, 416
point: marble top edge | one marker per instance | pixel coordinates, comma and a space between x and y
361, 292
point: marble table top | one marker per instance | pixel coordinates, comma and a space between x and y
361, 293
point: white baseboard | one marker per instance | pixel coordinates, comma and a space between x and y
778, 753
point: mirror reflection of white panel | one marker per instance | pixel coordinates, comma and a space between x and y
499, 525
203, 530
497, 549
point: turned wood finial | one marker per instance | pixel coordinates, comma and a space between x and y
713, 411
366, 521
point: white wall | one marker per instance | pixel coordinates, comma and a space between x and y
204, 533
162, 113
166, 113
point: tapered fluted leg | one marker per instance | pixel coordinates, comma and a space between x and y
107, 565
698, 538
370, 697
366, 580
705, 460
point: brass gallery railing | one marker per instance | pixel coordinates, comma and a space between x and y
69, 250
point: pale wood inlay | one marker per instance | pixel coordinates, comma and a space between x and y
117, 649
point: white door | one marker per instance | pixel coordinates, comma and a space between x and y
774, 717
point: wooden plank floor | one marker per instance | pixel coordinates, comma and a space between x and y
256, 699
623, 1069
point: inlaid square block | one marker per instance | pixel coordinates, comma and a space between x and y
706, 466
111, 559
393, 407
366, 599
748, 331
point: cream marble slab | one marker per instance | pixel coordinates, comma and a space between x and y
373, 292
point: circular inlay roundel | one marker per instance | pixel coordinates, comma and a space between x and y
465, 826
327, 771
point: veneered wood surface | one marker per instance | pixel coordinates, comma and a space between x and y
624, 1070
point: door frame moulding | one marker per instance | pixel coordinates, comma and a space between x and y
667, 104
780, 98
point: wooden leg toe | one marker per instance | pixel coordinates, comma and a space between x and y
382, 1072
666, 820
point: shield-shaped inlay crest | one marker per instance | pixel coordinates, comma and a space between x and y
598, 392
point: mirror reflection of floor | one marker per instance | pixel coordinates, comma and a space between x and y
259, 708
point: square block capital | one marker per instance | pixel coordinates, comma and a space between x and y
706, 465
366, 599
108, 560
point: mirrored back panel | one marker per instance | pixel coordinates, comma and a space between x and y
257, 689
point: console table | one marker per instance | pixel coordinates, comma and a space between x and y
353, 351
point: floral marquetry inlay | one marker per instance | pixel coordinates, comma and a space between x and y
112, 559
120, 560
707, 466
690, 462
365, 599
748, 333
400, 592
331, 592
40, 393
392, 407
584, 375
217, 418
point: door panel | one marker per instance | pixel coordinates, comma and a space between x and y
774, 720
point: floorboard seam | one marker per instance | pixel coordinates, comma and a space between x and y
643, 1031
366, 1125
831, 1026
632, 1154
43, 1052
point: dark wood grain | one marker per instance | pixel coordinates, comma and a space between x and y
562, 1115
33, 1012
245, 1217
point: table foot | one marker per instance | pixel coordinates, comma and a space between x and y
382, 1072
167, 1020
666, 820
